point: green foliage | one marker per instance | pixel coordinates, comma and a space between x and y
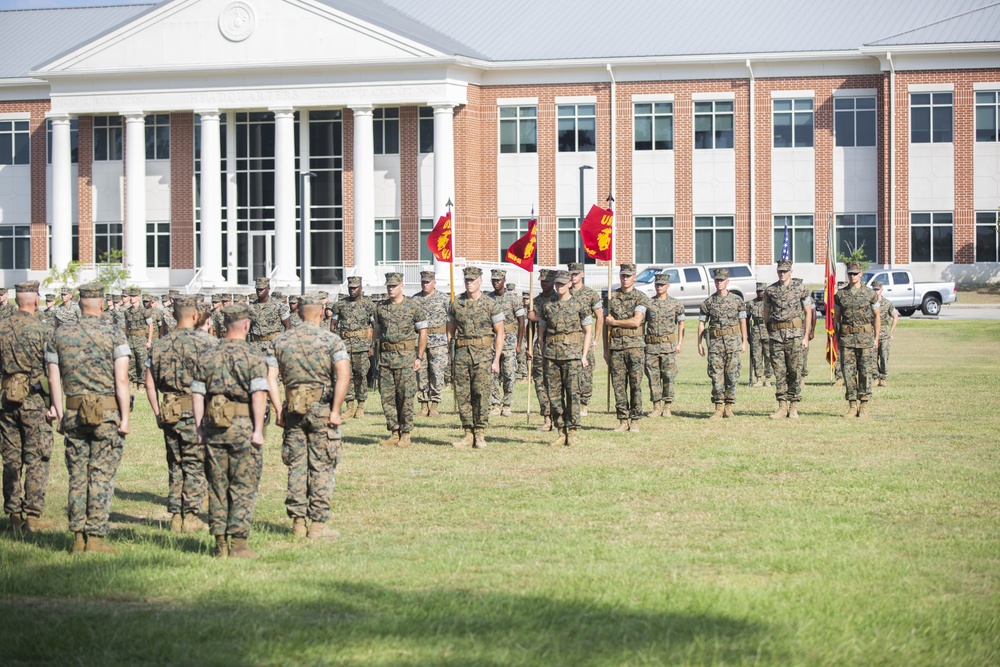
68, 277
857, 254
112, 272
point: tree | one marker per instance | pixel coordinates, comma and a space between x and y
68, 277
857, 254
112, 272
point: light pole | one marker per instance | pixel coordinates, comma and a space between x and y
304, 204
582, 254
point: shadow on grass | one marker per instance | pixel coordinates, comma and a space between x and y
108, 620
141, 497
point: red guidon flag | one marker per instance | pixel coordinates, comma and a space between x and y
439, 240
522, 251
829, 291
595, 230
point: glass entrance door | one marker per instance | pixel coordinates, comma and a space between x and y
261, 254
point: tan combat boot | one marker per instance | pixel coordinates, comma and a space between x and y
657, 410
863, 410
97, 545
546, 425
299, 526
176, 523
665, 412
424, 410
319, 531
238, 548
79, 543
758, 383
793, 410
392, 440
633, 426
839, 382
506, 411
495, 412
583, 410
360, 412
560, 440
221, 547
36, 524
479, 441
433, 410
719, 410
572, 437
466, 441
193, 523
622, 426
728, 411
404, 440
16, 522
349, 413
782, 410
852, 410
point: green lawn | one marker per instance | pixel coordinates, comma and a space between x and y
746, 541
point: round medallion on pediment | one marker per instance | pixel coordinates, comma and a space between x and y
237, 20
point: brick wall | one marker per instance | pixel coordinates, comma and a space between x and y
182, 249
85, 186
409, 222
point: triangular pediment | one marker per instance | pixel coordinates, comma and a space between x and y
211, 34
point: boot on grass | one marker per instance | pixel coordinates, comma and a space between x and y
728, 411
665, 411
318, 530
193, 523
16, 522
719, 411
432, 410
392, 440
657, 410
506, 411
852, 410
221, 547
360, 412
782, 410
97, 545
479, 439
238, 548
466, 441
793, 410
299, 526
863, 410
404, 440
349, 413
546, 425
572, 437
36, 524
176, 522
633, 426
622, 426
560, 440
79, 543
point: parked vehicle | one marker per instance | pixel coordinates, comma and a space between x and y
693, 283
906, 295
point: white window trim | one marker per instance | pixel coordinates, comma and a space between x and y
16, 115
577, 99
855, 92
792, 94
517, 101
986, 86
721, 95
931, 88
653, 97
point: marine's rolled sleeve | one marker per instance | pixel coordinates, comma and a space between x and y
124, 351
520, 312
496, 319
587, 321
198, 387
639, 308
258, 384
341, 355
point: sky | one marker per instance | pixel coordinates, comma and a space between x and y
42, 4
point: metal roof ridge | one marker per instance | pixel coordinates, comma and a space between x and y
933, 23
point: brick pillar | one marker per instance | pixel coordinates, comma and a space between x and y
683, 184
85, 187
823, 159
39, 228
964, 138
348, 187
182, 249
409, 222
741, 146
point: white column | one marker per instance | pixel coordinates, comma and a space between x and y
444, 161
364, 192
135, 196
211, 199
284, 197
62, 192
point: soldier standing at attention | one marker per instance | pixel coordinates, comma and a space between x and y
664, 338
593, 301
352, 321
48, 313
66, 311
26, 435
787, 310
170, 368
565, 329
513, 312
88, 361
139, 330
327, 322
155, 315
268, 318
522, 355
430, 377
760, 340
316, 370
6, 308
725, 317
476, 322
169, 322
889, 318
219, 301
625, 348
545, 280
397, 320
297, 321
230, 395
857, 319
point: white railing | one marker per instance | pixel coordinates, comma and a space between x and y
595, 276
194, 285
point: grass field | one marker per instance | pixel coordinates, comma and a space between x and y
736, 542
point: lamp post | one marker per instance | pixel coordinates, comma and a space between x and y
304, 203
582, 254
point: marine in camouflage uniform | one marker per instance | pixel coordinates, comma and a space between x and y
316, 369
546, 278
171, 367
476, 322
219, 301
513, 338
664, 337
66, 311
7, 309
167, 320
724, 316
522, 355
48, 313
139, 336
155, 316
787, 310
268, 318
625, 348
432, 373
760, 340
593, 301
889, 319
857, 321
352, 321
565, 327
234, 458
808, 316
26, 434
88, 362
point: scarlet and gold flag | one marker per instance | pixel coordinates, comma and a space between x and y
595, 230
522, 251
439, 240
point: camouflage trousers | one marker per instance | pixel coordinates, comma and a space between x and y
430, 377
398, 387
538, 366
804, 366
92, 457
137, 364
858, 364
787, 358
586, 383
233, 465
311, 450
562, 382
724, 363
27, 449
473, 383
522, 363
881, 367
185, 467
507, 376
626, 368
760, 356
357, 388
661, 370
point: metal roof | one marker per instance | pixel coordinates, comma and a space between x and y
976, 25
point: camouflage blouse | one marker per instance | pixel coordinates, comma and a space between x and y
23, 339
307, 356
622, 306
85, 351
786, 302
589, 297
474, 318
512, 307
174, 359
234, 369
539, 301
887, 310
561, 318
755, 313
436, 308
662, 318
266, 318
856, 308
354, 315
722, 312
136, 322
399, 323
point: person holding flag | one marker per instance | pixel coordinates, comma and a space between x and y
596, 233
787, 309
858, 321
548, 293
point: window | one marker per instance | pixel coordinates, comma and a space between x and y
158, 244
386, 129
107, 237
900, 278
714, 238
387, 240
518, 129
857, 230
15, 247
987, 239
793, 123
577, 128
931, 237
800, 237
15, 142
654, 126
568, 240
931, 118
158, 137
511, 229
854, 121
326, 227
74, 141
426, 227
425, 129
107, 138
654, 240
713, 124
986, 116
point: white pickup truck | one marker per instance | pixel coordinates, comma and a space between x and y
906, 295
693, 283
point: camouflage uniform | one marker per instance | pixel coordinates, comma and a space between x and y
627, 353
27, 436
592, 300
539, 363
506, 378
155, 315
167, 317
804, 355
398, 323
136, 328
65, 313
662, 319
563, 322
266, 324
174, 361
855, 338
881, 367
7, 309
431, 376
307, 356
725, 343
85, 352
760, 340
473, 320
787, 328
353, 318
48, 313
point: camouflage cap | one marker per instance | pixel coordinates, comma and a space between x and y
52, 297
721, 274
562, 277
91, 291
309, 300
854, 267
277, 295
323, 294
167, 297
354, 281
627, 269
67, 290
262, 283
427, 276
147, 297
185, 301
132, 291
546, 275
29, 287
511, 287
174, 292
235, 313
498, 274
393, 278
761, 287
784, 265
841, 284
796, 281
472, 272
216, 298
226, 296
877, 284
575, 267
662, 279
115, 298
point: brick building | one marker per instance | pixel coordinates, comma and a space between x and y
187, 133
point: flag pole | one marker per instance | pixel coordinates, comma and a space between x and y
607, 334
531, 308
451, 285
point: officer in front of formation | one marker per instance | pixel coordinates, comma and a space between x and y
723, 315
593, 301
664, 339
352, 321
432, 373
625, 348
139, 333
787, 312
858, 322
760, 340
546, 279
